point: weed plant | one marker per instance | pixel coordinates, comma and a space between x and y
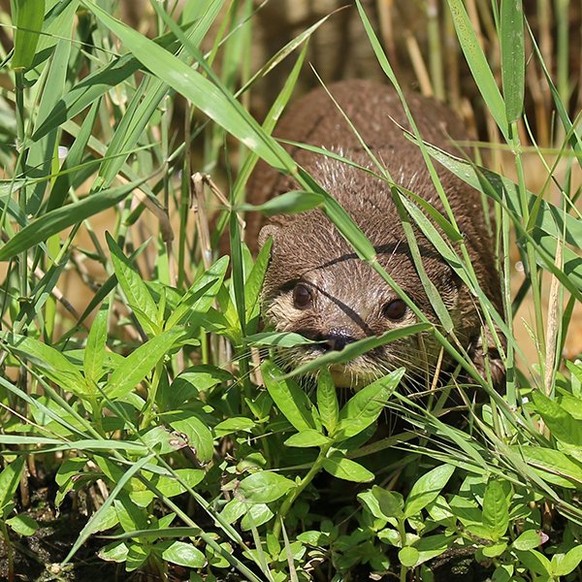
136, 381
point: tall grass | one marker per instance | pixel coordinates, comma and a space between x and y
128, 346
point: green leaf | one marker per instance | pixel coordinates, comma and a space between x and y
53, 363
281, 339
342, 468
287, 203
114, 552
170, 486
53, 222
494, 550
307, 438
366, 405
140, 363
28, 20
408, 556
255, 516
478, 64
528, 540
94, 355
535, 561
203, 94
391, 503
9, 480
23, 525
512, 57
564, 564
427, 489
327, 402
253, 285
185, 555
288, 397
138, 296
265, 487
201, 295
563, 426
553, 466
496, 509
430, 547
359, 347
198, 434
234, 424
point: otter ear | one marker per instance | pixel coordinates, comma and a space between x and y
267, 231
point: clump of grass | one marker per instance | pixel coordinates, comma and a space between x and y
126, 393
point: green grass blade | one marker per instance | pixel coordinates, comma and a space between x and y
28, 19
512, 58
478, 64
40, 229
207, 96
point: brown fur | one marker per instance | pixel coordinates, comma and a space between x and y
348, 297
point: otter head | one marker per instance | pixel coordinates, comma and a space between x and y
316, 286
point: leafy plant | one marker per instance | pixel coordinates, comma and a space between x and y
149, 398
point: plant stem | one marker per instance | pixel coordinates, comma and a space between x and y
294, 494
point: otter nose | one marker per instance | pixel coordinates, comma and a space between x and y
337, 339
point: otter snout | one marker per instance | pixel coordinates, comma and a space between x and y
337, 339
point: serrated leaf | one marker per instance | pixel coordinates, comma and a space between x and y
94, 355
265, 487
342, 468
307, 438
135, 290
327, 402
140, 363
366, 405
185, 555
496, 509
427, 489
391, 503
528, 540
288, 397
198, 434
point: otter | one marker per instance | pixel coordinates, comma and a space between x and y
316, 285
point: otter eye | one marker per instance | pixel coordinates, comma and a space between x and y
395, 310
301, 296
